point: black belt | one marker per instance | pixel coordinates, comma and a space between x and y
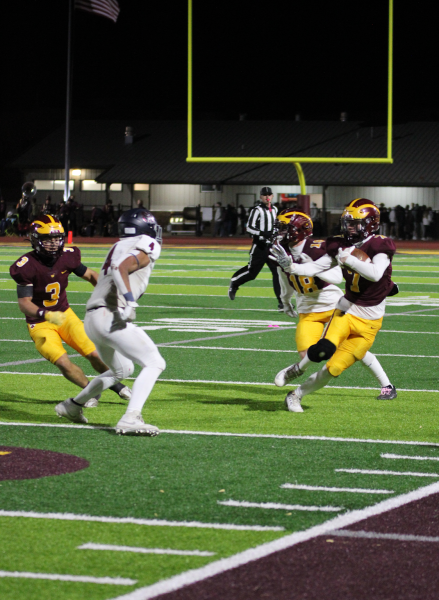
95, 308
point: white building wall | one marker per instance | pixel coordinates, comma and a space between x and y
175, 196
339, 196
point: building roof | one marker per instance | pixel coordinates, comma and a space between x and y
158, 154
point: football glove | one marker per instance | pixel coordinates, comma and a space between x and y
343, 254
290, 310
129, 312
52, 316
284, 260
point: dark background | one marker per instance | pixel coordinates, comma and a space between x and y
270, 61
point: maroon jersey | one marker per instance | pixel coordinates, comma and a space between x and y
315, 249
49, 283
359, 290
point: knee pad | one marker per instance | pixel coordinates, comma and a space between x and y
323, 350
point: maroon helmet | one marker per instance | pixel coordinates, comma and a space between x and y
360, 219
291, 227
47, 236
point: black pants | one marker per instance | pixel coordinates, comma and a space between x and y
258, 258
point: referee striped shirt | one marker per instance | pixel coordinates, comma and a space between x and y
261, 219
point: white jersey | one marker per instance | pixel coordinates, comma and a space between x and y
106, 293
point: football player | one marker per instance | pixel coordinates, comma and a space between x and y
42, 278
316, 297
359, 313
111, 309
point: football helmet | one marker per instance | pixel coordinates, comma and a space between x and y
360, 219
28, 190
47, 236
139, 221
291, 227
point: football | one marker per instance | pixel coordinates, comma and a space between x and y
360, 255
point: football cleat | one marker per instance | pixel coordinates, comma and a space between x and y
232, 292
71, 411
93, 402
288, 374
280, 307
133, 424
387, 393
292, 402
125, 393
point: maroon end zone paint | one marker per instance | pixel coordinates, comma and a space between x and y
29, 463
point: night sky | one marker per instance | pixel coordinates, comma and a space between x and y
269, 62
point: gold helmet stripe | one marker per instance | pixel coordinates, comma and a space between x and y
286, 218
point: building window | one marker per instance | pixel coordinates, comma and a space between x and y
89, 185
53, 184
211, 188
115, 187
141, 187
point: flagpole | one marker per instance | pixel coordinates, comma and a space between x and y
68, 104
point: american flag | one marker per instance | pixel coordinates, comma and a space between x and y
106, 8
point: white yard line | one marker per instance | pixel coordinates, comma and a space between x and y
372, 535
92, 546
134, 521
319, 488
242, 558
74, 578
378, 472
276, 506
396, 456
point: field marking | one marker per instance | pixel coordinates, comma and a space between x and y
318, 488
396, 456
134, 521
226, 335
377, 472
400, 537
214, 382
92, 546
227, 434
276, 506
242, 558
74, 578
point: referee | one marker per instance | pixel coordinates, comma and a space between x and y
260, 226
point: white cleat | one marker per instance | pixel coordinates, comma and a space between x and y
288, 374
292, 402
125, 393
70, 411
133, 424
93, 402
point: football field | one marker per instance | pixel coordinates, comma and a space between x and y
233, 476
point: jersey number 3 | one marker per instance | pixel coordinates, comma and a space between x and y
53, 289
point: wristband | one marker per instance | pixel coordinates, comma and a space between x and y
129, 297
41, 312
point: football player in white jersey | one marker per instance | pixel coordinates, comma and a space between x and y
111, 309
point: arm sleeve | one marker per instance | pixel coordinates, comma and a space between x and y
372, 271
311, 269
25, 291
252, 223
286, 291
334, 275
80, 270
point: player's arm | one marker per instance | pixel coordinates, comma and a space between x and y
30, 309
90, 276
372, 271
121, 271
334, 275
308, 269
286, 293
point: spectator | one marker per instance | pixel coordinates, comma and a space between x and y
109, 218
72, 207
409, 223
218, 219
228, 221
400, 222
242, 218
63, 215
139, 203
384, 220
48, 208
2, 216
24, 209
392, 223
97, 220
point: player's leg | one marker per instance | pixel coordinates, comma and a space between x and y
73, 333
309, 330
388, 391
315, 382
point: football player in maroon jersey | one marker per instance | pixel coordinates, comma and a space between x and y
359, 313
42, 279
316, 297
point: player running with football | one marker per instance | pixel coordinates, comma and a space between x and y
42, 279
316, 297
359, 313
123, 278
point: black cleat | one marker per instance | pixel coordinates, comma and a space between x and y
232, 292
280, 307
387, 393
